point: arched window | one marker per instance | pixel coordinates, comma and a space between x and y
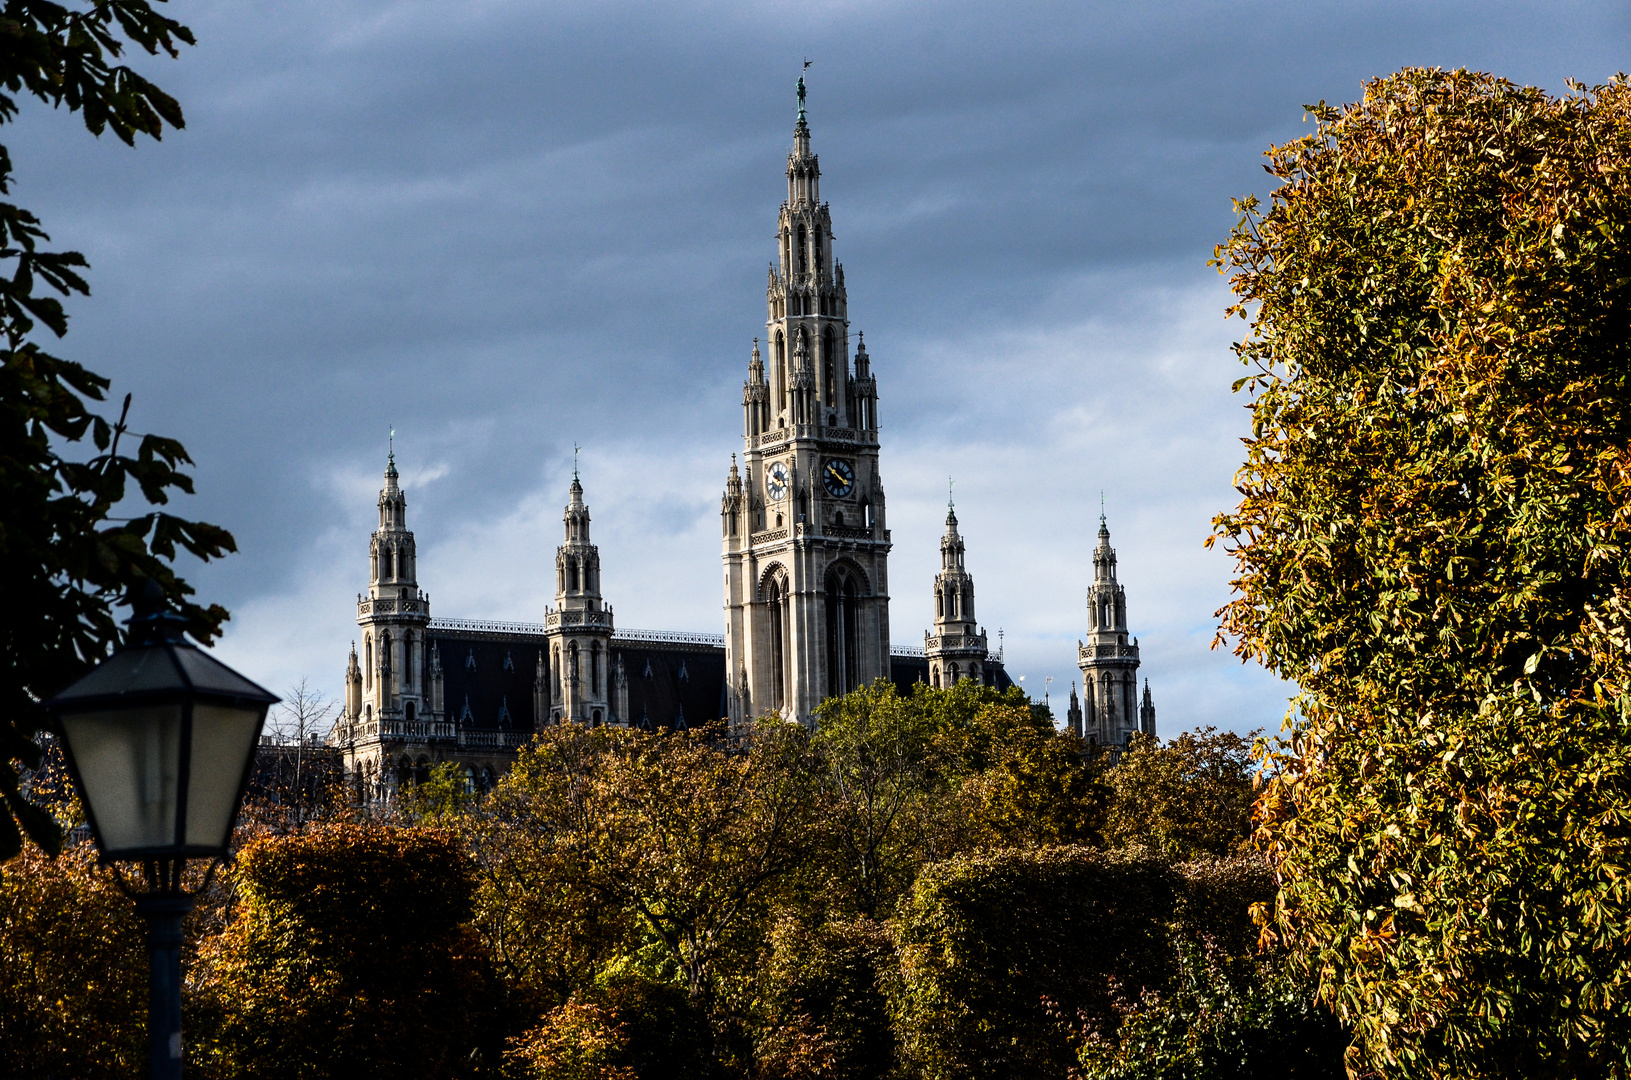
367, 661
968, 602
776, 604
842, 655
594, 670
408, 712
781, 368
803, 241
571, 575
939, 605
829, 360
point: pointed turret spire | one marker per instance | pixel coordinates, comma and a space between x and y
391, 477
579, 627
956, 647
1108, 658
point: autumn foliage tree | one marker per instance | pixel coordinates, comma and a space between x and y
349, 954
1432, 543
73, 970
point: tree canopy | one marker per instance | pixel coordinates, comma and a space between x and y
1432, 544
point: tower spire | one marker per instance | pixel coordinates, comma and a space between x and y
579, 626
805, 535
956, 648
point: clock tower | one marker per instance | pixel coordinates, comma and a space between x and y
805, 544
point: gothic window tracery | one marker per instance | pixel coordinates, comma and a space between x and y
781, 369
776, 602
829, 360
842, 654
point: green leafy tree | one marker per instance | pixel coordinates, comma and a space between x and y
1432, 543
445, 795
1002, 954
681, 833
1191, 796
826, 988
65, 559
1218, 1024
349, 955
879, 779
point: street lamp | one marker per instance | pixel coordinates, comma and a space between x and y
160, 738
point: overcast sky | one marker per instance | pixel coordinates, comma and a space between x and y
507, 227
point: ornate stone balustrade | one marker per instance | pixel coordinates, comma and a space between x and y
623, 636
484, 626
958, 642
430, 733
392, 606
1092, 652
598, 620
667, 637
768, 536
846, 532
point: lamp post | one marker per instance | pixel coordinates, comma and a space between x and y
159, 739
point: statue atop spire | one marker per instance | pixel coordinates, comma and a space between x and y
802, 120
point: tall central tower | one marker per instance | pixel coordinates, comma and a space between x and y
805, 546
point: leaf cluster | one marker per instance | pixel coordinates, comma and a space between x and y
65, 558
1431, 542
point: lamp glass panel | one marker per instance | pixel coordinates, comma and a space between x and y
129, 763
224, 738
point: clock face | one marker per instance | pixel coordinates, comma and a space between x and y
838, 478
776, 485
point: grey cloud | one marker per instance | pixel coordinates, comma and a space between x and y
506, 227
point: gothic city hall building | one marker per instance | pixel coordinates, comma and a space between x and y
806, 543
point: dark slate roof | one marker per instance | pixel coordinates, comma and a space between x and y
674, 680
673, 685
492, 675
